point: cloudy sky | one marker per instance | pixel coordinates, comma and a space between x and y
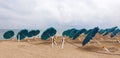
61, 14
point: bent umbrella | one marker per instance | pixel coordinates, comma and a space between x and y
114, 33
109, 30
48, 33
22, 34
78, 33
90, 35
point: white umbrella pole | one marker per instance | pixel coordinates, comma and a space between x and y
27, 39
101, 38
103, 46
18, 38
12, 39
107, 50
79, 39
118, 40
35, 38
52, 42
98, 42
63, 41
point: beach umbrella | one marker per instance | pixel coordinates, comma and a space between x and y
33, 33
73, 31
36, 32
109, 30
87, 31
101, 31
90, 35
114, 33
48, 33
78, 33
66, 33
69, 33
22, 34
9, 34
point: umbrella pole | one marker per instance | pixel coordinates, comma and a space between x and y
101, 38
63, 42
118, 40
12, 39
79, 39
55, 40
52, 42
18, 38
103, 46
35, 38
106, 49
27, 39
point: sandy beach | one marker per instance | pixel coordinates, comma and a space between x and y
43, 49
59, 28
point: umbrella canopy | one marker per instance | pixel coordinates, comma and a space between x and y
66, 33
87, 31
37, 32
114, 33
22, 34
109, 30
33, 33
101, 31
48, 33
9, 34
78, 33
90, 35
69, 33
72, 32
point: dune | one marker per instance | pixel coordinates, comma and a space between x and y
43, 49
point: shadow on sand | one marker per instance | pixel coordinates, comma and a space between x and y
95, 49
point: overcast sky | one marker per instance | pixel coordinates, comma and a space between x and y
40, 14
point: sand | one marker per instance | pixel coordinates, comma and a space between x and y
72, 49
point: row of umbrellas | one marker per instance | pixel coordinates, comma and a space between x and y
90, 34
114, 31
74, 33
25, 33
71, 33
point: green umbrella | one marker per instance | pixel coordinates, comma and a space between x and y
33, 33
48, 33
22, 34
9, 34
78, 33
90, 35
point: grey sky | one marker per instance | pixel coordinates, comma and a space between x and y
16, 14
